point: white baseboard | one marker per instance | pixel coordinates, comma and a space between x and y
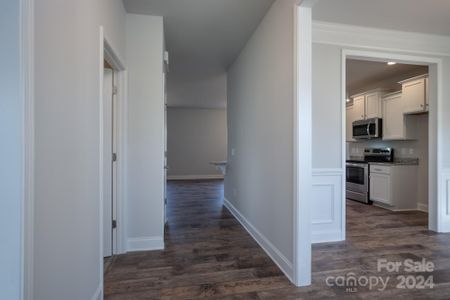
283, 263
422, 207
194, 177
145, 244
98, 293
326, 237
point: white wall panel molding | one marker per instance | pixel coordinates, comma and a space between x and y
444, 216
326, 208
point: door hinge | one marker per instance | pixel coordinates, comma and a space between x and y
114, 157
115, 90
114, 224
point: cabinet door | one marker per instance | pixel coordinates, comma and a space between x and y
414, 96
359, 108
349, 118
393, 119
380, 188
373, 106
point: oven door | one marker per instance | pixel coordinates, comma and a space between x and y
357, 179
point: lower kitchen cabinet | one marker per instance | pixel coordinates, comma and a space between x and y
394, 186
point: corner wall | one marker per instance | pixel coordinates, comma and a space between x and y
145, 145
259, 181
195, 137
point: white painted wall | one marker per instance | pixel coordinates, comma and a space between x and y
11, 151
67, 60
259, 182
145, 195
195, 137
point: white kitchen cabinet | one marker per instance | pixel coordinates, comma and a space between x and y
415, 94
394, 186
349, 118
380, 188
359, 111
396, 125
373, 105
368, 105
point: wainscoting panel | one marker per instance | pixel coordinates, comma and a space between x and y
444, 199
327, 204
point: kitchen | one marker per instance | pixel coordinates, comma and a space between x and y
387, 135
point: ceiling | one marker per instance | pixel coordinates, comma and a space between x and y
362, 74
424, 16
203, 38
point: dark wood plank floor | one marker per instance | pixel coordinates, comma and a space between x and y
209, 255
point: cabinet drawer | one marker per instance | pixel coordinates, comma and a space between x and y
380, 169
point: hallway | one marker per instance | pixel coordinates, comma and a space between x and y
208, 254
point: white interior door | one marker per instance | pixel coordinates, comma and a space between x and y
107, 159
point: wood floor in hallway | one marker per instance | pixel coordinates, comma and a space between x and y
209, 255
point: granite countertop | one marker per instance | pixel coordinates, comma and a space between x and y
397, 161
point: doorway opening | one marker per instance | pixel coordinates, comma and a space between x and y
109, 163
386, 146
112, 152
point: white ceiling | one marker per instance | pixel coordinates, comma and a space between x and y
362, 74
424, 16
203, 38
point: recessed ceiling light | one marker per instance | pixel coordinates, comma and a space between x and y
348, 100
391, 63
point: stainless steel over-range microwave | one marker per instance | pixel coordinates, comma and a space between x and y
367, 129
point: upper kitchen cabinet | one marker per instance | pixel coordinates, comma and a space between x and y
415, 94
396, 125
373, 105
350, 118
368, 105
359, 108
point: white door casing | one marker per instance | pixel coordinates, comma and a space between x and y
107, 159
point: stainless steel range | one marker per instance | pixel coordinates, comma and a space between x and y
357, 173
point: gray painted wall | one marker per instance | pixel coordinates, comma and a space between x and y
260, 116
194, 138
11, 151
145, 175
67, 60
